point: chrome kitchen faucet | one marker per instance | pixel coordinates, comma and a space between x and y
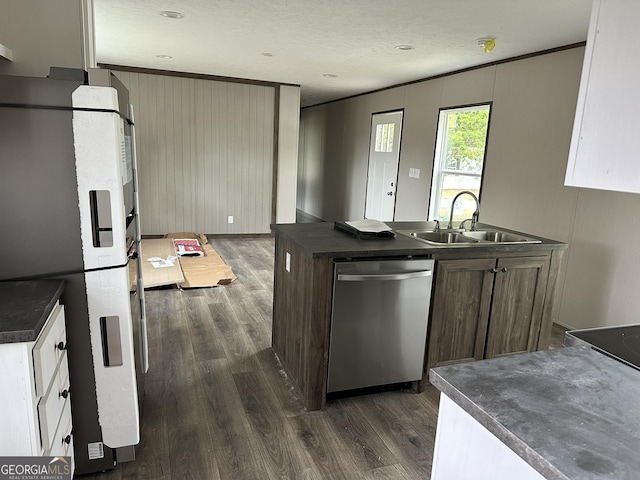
474, 217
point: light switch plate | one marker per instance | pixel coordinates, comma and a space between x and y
414, 173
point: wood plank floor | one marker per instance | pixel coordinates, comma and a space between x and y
219, 406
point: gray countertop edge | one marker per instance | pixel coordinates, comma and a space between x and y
515, 443
427, 250
31, 335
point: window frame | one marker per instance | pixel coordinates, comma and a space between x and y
439, 157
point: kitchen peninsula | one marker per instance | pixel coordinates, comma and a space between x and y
564, 414
488, 298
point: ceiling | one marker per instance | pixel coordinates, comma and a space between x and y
331, 48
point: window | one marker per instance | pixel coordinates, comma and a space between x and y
459, 161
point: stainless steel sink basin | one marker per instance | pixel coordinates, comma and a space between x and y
443, 237
496, 236
467, 238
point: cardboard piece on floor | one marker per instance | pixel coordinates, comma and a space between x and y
133, 276
156, 276
207, 271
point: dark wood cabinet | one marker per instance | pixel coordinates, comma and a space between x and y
486, 307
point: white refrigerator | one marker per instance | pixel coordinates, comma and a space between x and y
69, 210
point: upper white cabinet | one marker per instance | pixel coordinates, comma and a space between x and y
604, 151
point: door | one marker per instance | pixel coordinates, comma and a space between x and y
384, 154
518, 299
461, 304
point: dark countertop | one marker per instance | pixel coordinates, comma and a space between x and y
571, 413
621, 342
25, 306
321, 240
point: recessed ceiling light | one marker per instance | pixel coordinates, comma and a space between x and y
170, 14
165, 57
330, 75
267, 54
404, 47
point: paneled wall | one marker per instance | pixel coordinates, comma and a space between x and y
205, 152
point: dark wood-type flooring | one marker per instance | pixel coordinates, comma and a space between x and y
219, 406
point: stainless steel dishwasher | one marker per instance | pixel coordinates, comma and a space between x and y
378, 322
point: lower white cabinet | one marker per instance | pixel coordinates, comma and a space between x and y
35, 405
464, 449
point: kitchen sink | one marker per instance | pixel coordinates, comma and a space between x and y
496, 236
468, 238
443, 237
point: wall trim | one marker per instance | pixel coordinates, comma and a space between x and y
200, 76
240, 235
219, 235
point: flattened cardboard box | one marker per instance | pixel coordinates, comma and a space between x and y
156, 277
207, 271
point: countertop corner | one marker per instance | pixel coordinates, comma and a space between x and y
571, 413
25, 307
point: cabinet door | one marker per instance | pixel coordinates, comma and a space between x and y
461, 301
516, 310
603, 151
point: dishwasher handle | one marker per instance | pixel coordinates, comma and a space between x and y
348, 277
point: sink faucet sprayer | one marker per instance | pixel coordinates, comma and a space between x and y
474, 217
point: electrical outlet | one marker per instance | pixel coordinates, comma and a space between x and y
287, 262
230, 219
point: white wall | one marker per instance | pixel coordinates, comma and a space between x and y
288, 134
47, 33
531, 121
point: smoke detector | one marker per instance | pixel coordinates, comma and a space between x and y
487, 43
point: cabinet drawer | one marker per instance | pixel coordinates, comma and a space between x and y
62, 440
47, 351
50, 409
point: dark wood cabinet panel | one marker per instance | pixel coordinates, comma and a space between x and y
518, 300
461, 301
302, 315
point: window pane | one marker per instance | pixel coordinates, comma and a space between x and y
465, 206
384, 137
465, 140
